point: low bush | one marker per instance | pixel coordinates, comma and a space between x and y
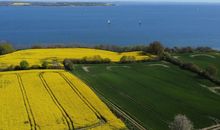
68, 64
56, 67
10, 68
95, 60
35, 67
17, 67
127, 59
211, 70
45, 65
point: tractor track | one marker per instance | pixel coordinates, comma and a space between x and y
116, 108
88, 104
31, 118
124, 114
67, 118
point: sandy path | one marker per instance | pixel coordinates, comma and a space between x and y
206, 55
161, 65
86, 68
110, 67
213, 127
212, 89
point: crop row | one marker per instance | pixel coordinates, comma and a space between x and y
52, 100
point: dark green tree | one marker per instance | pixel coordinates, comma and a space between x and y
24, 65
6, 48
155, 48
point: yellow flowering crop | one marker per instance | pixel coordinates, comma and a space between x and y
13, 114
51, 100
37, 56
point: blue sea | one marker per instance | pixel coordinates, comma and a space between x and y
131, 23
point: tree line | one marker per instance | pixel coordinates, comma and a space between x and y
154, 48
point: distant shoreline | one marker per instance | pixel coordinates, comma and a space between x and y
27, 3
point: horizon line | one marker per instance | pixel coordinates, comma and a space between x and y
133, 1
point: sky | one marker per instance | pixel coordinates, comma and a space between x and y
207, 1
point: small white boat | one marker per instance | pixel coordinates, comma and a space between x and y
140, 22
109, 21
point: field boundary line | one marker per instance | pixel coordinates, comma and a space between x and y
27, 104
67, 118
118, 110
122, 113
87, 103
74, 88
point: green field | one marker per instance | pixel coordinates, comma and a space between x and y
153, 93
202, 59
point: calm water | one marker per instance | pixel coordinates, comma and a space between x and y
174, 25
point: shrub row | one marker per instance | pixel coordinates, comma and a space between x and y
155, 48
189, 49
208, 73
89, 60
69, 63
127, 59
24, 65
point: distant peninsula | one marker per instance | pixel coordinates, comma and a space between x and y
24, 3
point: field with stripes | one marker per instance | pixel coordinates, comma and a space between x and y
51, 99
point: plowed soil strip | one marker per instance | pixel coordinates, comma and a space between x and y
63, 111
27, 104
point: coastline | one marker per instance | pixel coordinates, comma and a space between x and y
57, 4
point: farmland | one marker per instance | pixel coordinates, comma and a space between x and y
154, 92
201, 59
37, 56
51, 99
150, 93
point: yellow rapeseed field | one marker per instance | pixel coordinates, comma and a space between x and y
13, 115
51, 99
45, 111
79, 112
37, 56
